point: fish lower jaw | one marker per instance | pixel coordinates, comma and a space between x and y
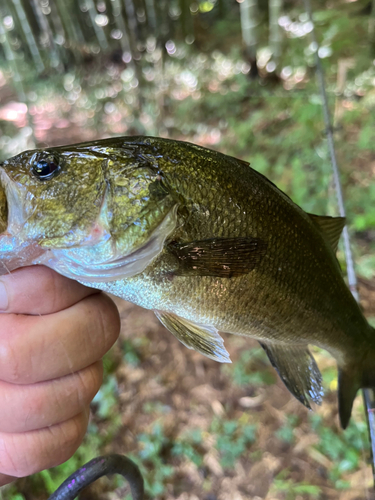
15, 253
14, 203
3, 208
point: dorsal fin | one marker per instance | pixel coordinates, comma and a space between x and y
331, 227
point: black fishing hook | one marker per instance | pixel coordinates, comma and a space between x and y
96, 468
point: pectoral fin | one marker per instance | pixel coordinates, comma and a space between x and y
202, 338
220, 257
298, 370
331, 228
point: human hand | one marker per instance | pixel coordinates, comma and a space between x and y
53, 334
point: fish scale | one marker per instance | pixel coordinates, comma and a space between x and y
199, 237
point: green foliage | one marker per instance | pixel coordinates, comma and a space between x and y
150, 460
250, 369
344, 449
157, 451
188, 447
365, 266
11, 494
233, 438
131, 355
155, 407
285, 432
106, 398
291, 490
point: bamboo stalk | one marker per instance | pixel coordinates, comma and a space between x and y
57, 24
371, 28
99, 32
151, 15
121, 26
71, 27
17, 80
249, 23
274, 29
31, 42
46, 30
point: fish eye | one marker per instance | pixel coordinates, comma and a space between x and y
45, 168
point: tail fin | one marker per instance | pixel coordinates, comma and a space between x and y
348, 385
352, 377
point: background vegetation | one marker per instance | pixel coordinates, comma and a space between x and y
78, 70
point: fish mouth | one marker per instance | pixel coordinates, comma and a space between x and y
12, 204
3, 205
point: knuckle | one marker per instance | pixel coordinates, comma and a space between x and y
89, 382
12, 461
11, 370
94, 379
109, 321
29, 409
103, 328
50, 288
71, 434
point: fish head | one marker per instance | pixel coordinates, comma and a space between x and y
87, 205
50, 195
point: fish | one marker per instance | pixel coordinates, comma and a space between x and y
202, 239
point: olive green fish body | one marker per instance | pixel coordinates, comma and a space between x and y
201, 238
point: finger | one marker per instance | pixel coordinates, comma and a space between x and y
39, 290
31, 407
4, 479
39, 348
29, 452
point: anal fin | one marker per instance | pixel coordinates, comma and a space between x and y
298, 370
204, 339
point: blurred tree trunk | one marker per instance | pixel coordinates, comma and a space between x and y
185, 15
275, 7
223, 7
371, 29
151, 15
249, 23
186, 20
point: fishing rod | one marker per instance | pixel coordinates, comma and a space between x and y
368, 394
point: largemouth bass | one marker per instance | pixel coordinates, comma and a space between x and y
199, 237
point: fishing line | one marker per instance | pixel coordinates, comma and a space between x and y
368, 394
